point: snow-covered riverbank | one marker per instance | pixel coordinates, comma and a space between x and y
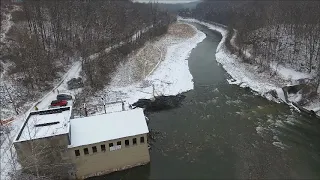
240, 72
170, 75
246, 75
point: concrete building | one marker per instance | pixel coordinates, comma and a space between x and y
43, 140
88, 146
108, 142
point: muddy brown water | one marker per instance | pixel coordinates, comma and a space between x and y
224, 131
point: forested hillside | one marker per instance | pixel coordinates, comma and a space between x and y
273, 32
48, 36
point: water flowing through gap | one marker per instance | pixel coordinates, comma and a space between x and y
224, 131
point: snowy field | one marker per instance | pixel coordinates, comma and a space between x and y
169, 76
245, 75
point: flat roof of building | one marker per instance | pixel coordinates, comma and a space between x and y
45, 123
105, 127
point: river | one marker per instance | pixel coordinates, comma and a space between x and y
224, 131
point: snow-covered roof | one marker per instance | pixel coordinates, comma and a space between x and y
105, 127
46, 123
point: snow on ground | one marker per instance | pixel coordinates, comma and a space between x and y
281, 94
246, 53
170, 77
288, 73
7, 23
291, 49
43, 103
174, 64
133, 38
242, 74
8, 155
245, 75
316, 109
314, 105
285, 73
62, 87
143, 63
145, 59
295, 97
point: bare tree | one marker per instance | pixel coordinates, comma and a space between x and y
44, 158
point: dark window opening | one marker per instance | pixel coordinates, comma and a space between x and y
134, 141
103, 147
86, 151
119, 143
141, 139
77, 152
126, 142
94, 149
110, 144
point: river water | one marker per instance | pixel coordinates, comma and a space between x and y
224, 131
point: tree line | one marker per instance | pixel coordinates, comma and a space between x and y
47, 36
98, 70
